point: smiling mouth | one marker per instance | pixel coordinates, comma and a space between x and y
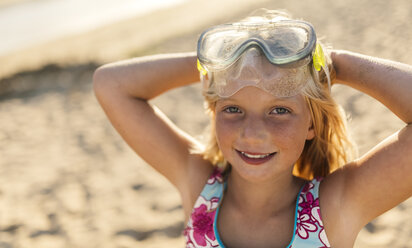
255, 158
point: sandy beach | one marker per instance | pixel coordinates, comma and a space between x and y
68, 180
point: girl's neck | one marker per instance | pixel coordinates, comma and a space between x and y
264, 199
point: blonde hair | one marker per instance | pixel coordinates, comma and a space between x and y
328, 150
332, 146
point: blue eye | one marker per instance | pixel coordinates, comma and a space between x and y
280, 111
232, 110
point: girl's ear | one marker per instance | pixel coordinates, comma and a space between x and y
311, 132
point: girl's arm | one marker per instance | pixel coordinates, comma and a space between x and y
387, 81
123, 90
382, 178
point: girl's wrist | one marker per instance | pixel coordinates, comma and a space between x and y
338, 61
334, 55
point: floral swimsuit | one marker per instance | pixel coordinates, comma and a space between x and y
201, 230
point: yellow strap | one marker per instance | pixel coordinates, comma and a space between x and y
318, 58
201, 69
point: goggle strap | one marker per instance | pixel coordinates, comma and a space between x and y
319, 62
201, 69
318, 57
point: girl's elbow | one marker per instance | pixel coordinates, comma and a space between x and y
99, 76
103, 80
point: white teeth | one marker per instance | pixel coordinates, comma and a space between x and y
255, 156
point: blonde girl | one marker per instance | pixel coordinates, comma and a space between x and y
278, 169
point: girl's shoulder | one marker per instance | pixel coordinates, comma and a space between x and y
334, 211
198, 174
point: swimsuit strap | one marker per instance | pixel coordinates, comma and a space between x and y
199, 231
309, 230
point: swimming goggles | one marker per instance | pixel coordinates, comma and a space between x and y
269, 54
284, 42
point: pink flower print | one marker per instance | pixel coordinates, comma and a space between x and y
323, 238
308, 204
203, 225
304, 226
189, 245
316, 215
216, 176
200, 233
308, 186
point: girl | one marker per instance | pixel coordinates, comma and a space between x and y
277, 171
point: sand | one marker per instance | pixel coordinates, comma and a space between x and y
68, 180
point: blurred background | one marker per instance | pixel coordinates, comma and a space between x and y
66, 177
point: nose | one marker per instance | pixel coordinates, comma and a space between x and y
253, 131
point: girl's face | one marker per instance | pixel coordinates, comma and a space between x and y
262, 136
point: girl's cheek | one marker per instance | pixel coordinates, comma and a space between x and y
224, 137
279, 127
225, 126
286, 131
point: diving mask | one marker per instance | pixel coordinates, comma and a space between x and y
283, 42
232, 56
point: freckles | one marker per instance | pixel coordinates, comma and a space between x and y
281, 129
287, 133
220, 125
224, 130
